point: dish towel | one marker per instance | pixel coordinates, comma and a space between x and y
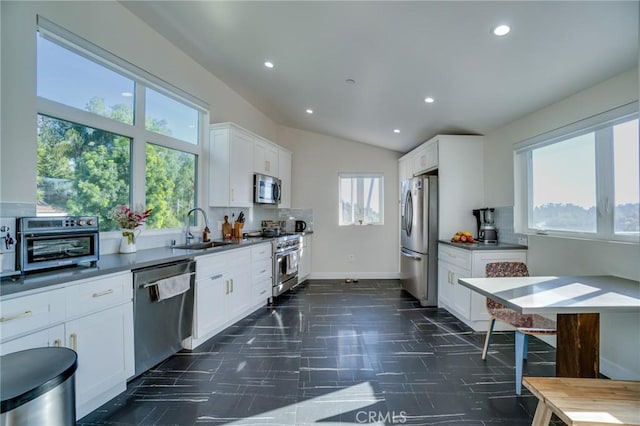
173, 286
292, 262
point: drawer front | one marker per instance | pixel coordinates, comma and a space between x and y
262, 291
25, 314
93, 295
53, 336
261, 251
218, 263
458, 257
262, 270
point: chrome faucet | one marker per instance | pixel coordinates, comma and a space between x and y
188, 236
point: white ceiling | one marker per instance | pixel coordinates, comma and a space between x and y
398, 53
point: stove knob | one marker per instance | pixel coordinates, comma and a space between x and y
90, 222
80, 222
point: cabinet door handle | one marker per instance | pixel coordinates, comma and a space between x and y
215, 277
263, 271
263, 291
226, 283
231, 285
57, 343
73, 337
233, 198
17, 316
104, 293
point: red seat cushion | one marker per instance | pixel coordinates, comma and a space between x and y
526, 323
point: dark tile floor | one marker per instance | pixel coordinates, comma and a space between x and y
335, 353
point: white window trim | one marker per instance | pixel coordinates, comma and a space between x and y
140, 136
85, 48
352, 175
604, 169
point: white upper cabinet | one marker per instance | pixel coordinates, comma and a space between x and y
425, 158
458, 162
460, 183
235, 154
265, 157
230, 166
284, 173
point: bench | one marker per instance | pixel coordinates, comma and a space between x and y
585, 402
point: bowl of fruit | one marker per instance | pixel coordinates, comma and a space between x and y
463, 237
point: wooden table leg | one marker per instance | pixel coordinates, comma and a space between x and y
542, 417
578, 345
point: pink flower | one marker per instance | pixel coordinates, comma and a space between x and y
129, 219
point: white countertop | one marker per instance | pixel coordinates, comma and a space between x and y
560, 295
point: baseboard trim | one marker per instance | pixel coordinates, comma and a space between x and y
617, 372
358, 275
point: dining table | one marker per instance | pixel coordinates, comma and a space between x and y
577, 301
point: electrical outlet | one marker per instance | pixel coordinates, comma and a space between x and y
523, 241
351, 258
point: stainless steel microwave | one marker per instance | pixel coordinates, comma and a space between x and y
52, 242
266, 189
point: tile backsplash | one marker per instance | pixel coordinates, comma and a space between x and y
504, 224
256, 214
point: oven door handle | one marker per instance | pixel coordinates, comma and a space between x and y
286, 252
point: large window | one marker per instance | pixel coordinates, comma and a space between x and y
81, 169
582, 180
170, 179
110, 133
361, 199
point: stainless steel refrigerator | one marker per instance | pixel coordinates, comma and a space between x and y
419, 239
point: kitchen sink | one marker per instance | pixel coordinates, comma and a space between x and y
201, 246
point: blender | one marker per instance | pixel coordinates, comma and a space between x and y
487, 232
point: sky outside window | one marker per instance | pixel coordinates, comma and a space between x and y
68, 78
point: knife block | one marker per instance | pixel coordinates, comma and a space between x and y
237, 229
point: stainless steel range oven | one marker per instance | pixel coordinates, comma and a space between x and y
51, 242
286, 252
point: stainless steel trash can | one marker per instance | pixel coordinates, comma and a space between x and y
37, 387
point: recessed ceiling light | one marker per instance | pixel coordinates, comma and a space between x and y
501, 30
268, 64
127, 94
429, 100
309, 111
396, 130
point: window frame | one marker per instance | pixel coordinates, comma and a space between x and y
361, 175
137, 131
601, 125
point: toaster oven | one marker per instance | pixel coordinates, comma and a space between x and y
52, 242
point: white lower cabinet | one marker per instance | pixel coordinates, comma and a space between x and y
304, 264
209, 304
53, 336
101, 340
262, 278
224, 293
94, 317
454, 263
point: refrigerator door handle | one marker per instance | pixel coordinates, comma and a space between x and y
408, 212
410, 255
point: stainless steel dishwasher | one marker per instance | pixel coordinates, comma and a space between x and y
161, 324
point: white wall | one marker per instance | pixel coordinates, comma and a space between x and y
317, 161
620, 333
